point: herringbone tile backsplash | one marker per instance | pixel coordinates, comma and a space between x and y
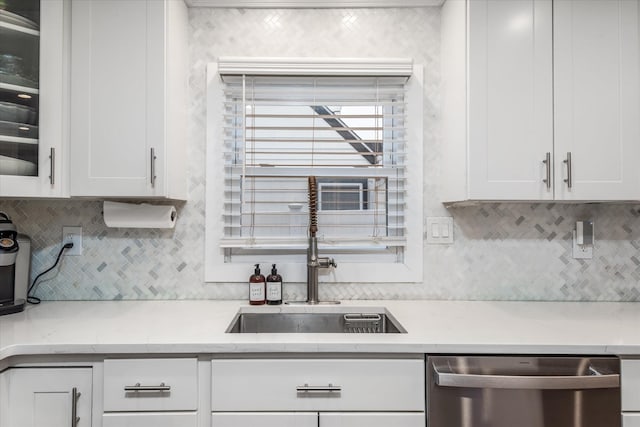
501, 251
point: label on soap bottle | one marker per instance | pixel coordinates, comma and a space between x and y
256, 291
274, 291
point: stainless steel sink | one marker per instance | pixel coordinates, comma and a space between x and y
355, 321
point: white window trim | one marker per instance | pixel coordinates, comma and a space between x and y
315, 66
410, 271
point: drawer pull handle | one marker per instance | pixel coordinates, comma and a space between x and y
138, 387
319, 389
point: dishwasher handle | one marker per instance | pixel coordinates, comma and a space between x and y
528, 382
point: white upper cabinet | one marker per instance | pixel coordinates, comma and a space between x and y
128, 98
497, 99
509, 96
34, 98
525, 82
597, 99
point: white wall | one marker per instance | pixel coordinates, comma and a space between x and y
501, 251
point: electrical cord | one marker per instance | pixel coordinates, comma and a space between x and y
35, 300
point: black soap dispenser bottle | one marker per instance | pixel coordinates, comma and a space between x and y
257, 287
274, 287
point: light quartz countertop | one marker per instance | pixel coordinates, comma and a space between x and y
189, 327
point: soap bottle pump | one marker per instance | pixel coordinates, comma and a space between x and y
274, 287
257, 288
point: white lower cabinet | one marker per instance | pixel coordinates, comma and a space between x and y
154, 392
377, 419
630, 392
264, 419
345, 392
318, 385
184, 392
150, 385
630, 384
314, 419
630, 420
150, 420
46, 397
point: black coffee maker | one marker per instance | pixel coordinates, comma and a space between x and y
15, 262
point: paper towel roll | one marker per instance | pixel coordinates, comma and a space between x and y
131, 215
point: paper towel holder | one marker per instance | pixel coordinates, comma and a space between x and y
173, 215
138, 215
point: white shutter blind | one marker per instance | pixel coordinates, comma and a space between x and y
347, 131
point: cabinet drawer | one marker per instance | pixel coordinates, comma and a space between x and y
378, 419
630, 384
150, 385
264, 419
318, 385
150, 420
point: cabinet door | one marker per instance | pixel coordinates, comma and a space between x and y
34, 80
630, 420
169, 419
264, 419
510, 101
597, 99
378, 419
630, 385
44, 397
117, 98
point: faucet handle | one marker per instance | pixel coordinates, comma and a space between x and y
332, 263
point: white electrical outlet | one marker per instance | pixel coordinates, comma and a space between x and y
581, 251
73, 235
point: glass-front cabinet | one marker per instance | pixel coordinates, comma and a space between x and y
33, 97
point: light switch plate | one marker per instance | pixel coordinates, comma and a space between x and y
439, 230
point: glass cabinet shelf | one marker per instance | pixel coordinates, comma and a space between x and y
18, 88
6, 26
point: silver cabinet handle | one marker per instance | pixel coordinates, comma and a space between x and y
52, 162
568, 162
153, 166
138, 387
75, 395
556, 382
304, 389
547, 162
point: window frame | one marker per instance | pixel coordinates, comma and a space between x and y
217, 267
360, 185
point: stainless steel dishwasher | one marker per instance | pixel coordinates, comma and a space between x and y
502, 391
